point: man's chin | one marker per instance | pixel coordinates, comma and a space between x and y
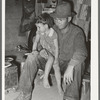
60, 27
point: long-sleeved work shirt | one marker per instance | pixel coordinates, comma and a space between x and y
72, 46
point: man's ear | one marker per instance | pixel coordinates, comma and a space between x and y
69, 19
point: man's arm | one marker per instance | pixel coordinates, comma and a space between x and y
80, 53
79, 56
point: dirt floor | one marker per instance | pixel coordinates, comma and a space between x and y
41, 93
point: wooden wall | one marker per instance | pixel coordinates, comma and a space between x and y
83, 17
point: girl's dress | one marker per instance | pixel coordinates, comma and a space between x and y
47, 42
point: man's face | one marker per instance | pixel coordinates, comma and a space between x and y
61, 22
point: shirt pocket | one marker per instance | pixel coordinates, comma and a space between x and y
68, 47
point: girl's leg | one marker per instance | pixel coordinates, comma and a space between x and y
58, 78
48, 67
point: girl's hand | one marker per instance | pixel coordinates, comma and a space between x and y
32, 53
35, 52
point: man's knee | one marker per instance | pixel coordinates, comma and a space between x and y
79, 70
31, 57
80, 67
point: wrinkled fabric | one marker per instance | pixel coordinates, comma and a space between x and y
31, 66
47, 41
72, 45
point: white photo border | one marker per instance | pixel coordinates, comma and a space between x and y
94, 50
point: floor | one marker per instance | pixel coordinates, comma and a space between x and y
13, 15
41, 93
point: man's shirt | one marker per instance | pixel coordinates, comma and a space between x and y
72, 46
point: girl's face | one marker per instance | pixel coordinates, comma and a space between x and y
40, 27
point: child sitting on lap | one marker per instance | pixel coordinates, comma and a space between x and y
48, 39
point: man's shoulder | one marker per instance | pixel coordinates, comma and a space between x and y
77, 31
76, 28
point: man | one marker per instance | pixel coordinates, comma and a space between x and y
72, 54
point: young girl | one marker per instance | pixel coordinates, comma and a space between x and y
47, 37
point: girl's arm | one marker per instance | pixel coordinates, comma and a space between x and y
56, 51
37, 38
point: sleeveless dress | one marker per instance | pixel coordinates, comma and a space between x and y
47, 42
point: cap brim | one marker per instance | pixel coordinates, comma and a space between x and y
54, 15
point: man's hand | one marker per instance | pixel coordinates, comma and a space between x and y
68, 75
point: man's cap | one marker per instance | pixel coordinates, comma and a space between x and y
63, 10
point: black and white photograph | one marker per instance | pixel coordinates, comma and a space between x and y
47, 50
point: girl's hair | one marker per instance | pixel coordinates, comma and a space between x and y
45, 18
